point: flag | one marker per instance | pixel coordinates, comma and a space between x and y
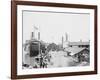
35, 28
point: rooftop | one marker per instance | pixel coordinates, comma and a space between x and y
79, 43
74, 50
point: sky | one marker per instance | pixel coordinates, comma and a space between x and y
54, 25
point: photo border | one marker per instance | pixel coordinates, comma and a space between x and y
14, 38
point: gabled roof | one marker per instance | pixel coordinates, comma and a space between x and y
74, 50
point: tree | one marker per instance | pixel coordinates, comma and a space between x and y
52, 47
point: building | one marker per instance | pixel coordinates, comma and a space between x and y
32, 51
79, 50
79, 44
82, 54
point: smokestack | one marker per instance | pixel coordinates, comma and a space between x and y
33, 35
80, 40
38, 35
66, 36
62, 41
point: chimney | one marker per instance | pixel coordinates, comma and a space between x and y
66, 37
62, 41
80, 40
33, 35
38, 35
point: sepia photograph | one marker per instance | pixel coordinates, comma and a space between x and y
49, 40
